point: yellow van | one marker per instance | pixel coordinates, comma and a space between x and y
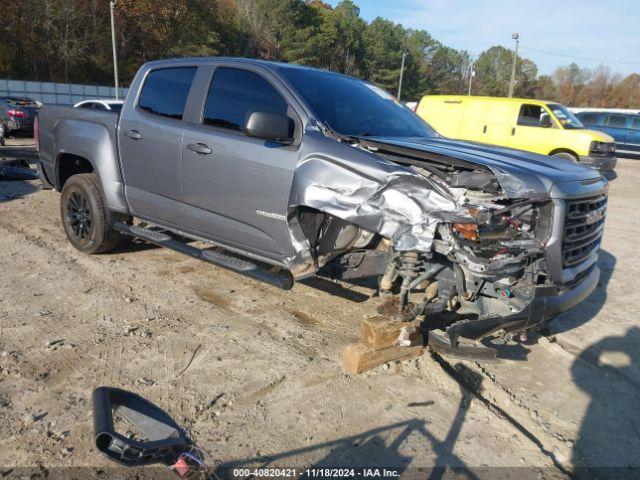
533, 125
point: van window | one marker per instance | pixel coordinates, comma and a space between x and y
589, 118
530, 115
235, 94
635, 123
619, 121
165, 91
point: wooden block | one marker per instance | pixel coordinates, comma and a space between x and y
358, 358
382, 332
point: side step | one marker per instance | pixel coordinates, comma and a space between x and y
282, 279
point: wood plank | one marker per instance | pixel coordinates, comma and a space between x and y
358, 358
382, 332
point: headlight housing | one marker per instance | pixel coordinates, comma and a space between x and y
602, 148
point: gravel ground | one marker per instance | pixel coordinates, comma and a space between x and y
253, 372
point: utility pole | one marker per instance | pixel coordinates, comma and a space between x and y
472, 73
512, 83
112, 6
404, 54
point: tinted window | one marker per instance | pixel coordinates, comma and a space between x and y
589, 118
530, 115
234, 94
115, 107
99, 106
635, 123
353, 107
87, 105
165, 91
617, 121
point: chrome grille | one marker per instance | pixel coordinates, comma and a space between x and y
583, 227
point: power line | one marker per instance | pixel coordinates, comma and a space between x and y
585, 59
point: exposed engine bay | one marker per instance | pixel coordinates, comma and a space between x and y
479, 272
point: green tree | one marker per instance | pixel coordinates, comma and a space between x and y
493, 73
448, 72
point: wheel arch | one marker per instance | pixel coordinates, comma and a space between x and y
564, 150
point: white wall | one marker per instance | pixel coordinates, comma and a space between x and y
56, 93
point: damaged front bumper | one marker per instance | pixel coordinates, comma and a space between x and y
546, 302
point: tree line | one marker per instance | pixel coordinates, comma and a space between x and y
70, 41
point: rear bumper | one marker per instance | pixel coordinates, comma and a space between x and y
602, 164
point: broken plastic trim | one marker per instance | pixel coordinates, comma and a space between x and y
164, 439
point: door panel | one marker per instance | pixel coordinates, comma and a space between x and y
529, 134
499, 121
239, 192
473, 126
150, 142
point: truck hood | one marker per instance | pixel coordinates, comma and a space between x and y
521, 174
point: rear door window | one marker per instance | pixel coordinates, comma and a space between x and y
635, 123
530, 115
235, 94
588, 118
165, 91
619, 121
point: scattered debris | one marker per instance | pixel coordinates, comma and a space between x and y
190, 360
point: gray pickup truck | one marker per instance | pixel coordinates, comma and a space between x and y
286, 172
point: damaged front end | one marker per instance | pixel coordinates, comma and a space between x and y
458, 248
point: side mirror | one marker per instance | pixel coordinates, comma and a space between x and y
545, 121
158, 439
273, 127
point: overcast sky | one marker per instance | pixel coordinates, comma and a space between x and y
590, 29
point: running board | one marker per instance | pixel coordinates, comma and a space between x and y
282, 279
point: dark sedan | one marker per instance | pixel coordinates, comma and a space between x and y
17, 114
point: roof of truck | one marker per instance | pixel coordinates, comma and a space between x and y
272, 65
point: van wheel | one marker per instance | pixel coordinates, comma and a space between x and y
566, 155
84, 217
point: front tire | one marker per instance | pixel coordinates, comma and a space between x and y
84, 217
566, 155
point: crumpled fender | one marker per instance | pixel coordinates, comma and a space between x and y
379, 196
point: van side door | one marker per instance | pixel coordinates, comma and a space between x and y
150, 144
236, 187
529, 133
498, 121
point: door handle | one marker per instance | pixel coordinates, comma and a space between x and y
484, 130
133, 134
513, 131
200, 148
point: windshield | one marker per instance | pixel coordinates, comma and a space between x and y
566, 118
355, 108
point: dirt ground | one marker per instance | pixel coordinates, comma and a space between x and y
253, 372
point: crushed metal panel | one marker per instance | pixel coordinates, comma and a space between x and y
395, 202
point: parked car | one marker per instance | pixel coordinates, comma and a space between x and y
287, 172
17, 114
101, 104
536, 126
623, 127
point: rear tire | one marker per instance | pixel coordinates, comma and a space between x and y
84, 217
567, 155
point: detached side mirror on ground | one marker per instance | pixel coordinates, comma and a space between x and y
273, 127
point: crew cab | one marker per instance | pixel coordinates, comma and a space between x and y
287, 172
